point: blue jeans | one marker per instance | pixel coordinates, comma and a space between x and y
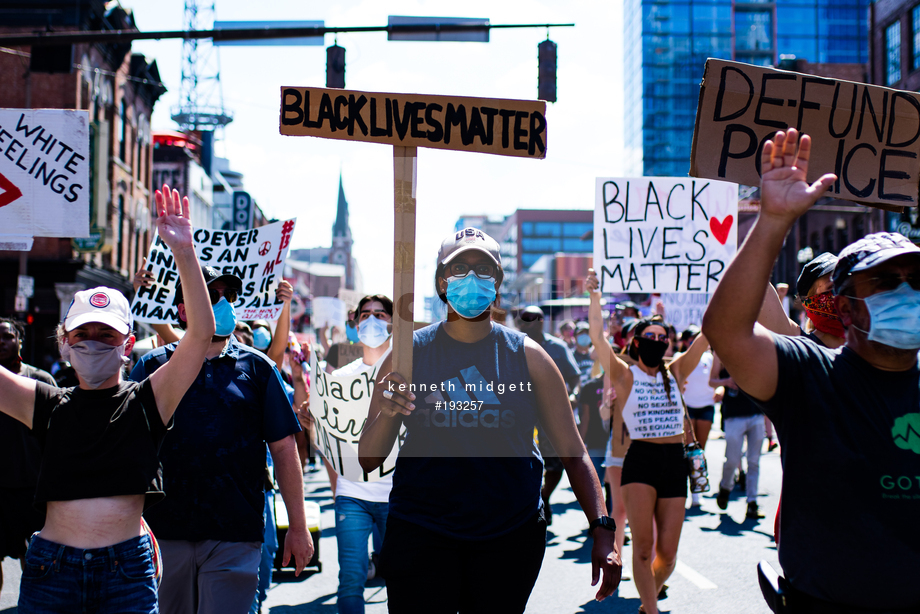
118, 579
269, 548
354, 519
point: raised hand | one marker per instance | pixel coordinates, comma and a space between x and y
784, 191
143, 277
173, 223
285, 291
592, 285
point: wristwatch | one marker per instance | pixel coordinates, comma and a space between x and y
605, 522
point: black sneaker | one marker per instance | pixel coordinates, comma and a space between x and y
753, 512
722, 498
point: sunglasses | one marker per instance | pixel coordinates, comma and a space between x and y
228, 293
531, 317
662, 337
462, 269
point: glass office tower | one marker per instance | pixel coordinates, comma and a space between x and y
667, 44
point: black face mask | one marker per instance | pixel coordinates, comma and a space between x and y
651, 351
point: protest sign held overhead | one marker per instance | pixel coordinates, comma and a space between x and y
485, 125
663, 234
867, 135
339, 407
255, 256
682, 310
44, 173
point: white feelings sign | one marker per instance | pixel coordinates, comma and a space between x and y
255, 256
44, 173
663, 234
339, 407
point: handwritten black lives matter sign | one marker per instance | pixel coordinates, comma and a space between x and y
484, 125
869, 136
256, 256
664, 234
339, 406
44, 173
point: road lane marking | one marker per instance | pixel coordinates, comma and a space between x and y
694, 576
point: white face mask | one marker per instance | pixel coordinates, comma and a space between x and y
94, 361
373, 332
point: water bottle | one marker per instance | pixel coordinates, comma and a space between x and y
699, 472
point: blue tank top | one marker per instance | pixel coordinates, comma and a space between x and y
469, 467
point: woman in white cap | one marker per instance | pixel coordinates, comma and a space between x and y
465, 530
100, 440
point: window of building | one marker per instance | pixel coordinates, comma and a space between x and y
119, 250
915, 33
123, 134
893, 53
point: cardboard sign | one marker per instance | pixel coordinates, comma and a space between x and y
485, 125
255, 256
682, 310
865, 134
328, 311
44, 173
663, 234
346, 353
339, 407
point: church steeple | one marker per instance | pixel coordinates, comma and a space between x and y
341, 239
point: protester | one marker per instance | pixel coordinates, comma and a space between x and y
582, 352
465, 531
20, 456
210, 527
362, 507
742, 420
654, 477
99, 444
847, 416
567, 333
698, 395
530, 322
591, 426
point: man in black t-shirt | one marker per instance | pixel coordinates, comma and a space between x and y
20, 456
848, 419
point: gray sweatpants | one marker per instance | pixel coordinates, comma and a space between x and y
208, 577
736, 429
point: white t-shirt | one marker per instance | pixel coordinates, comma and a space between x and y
648, 413
379, 491
698, 392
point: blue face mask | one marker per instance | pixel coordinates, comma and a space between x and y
894, 316
261, 339
583, 340
373, 332
224, 318
470, 296
352, 333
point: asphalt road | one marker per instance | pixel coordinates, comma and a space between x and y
715, 572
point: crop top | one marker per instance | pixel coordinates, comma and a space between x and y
98, 443
648, 413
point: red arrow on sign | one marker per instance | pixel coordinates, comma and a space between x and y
10, 191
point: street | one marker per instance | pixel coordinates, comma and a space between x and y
715, 571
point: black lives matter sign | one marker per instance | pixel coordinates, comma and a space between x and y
869, 136
485, 125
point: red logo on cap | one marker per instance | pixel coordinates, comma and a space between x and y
99, 299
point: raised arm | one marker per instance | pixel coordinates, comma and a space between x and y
744, 346
682, 366
283, 327
173, 379
614, 367
773, 317
17, 396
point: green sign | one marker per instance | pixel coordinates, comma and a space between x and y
92, 243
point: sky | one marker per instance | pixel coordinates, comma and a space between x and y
299, 176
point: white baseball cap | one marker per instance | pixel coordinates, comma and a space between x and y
103, 305
465, 240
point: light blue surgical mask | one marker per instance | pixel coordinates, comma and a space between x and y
584, 340
470, 296
261, 339
352, 333
894, 316
224, 318
373, 332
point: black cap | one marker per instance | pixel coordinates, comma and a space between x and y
211, 275
872, 250
815, 269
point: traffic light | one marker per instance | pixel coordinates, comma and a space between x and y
335, 66
546, 78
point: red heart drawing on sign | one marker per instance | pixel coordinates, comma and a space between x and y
10, 191
720, 229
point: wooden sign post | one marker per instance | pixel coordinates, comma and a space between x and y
409, 121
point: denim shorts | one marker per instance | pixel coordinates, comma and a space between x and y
117, 579
702, 413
